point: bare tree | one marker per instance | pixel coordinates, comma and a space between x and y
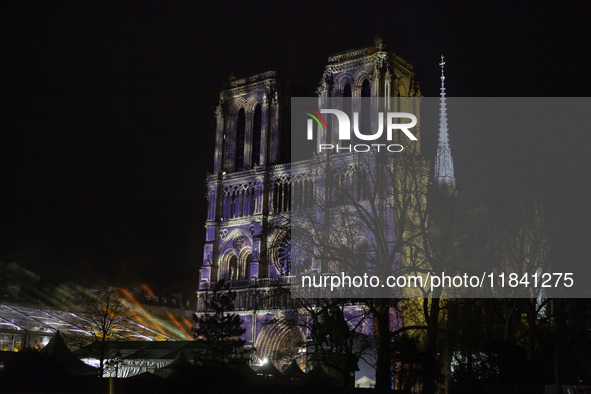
370, 216
523, 248
103, 313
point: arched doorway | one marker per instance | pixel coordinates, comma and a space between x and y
280, 341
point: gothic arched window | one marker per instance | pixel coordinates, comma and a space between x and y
245, 274
240, 133
282, 255
364, 116
233, 269
256, 136
347, 91
347, 103
365, 89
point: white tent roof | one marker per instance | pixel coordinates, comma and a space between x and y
365, 382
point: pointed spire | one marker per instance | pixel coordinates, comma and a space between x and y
444, 166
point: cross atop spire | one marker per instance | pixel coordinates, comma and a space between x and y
442, 65
444, 166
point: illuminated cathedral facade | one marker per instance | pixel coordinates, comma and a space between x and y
252, 184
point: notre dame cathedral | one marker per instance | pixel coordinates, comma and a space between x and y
253, 179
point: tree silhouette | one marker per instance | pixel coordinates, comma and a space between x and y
220, 329
103, 314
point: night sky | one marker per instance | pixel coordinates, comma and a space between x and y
107, 124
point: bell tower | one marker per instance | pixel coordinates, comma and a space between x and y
247, 123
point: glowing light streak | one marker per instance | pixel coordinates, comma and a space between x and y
146, 328
140, 309
176, 323
165, 332
187, 322
148, 290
